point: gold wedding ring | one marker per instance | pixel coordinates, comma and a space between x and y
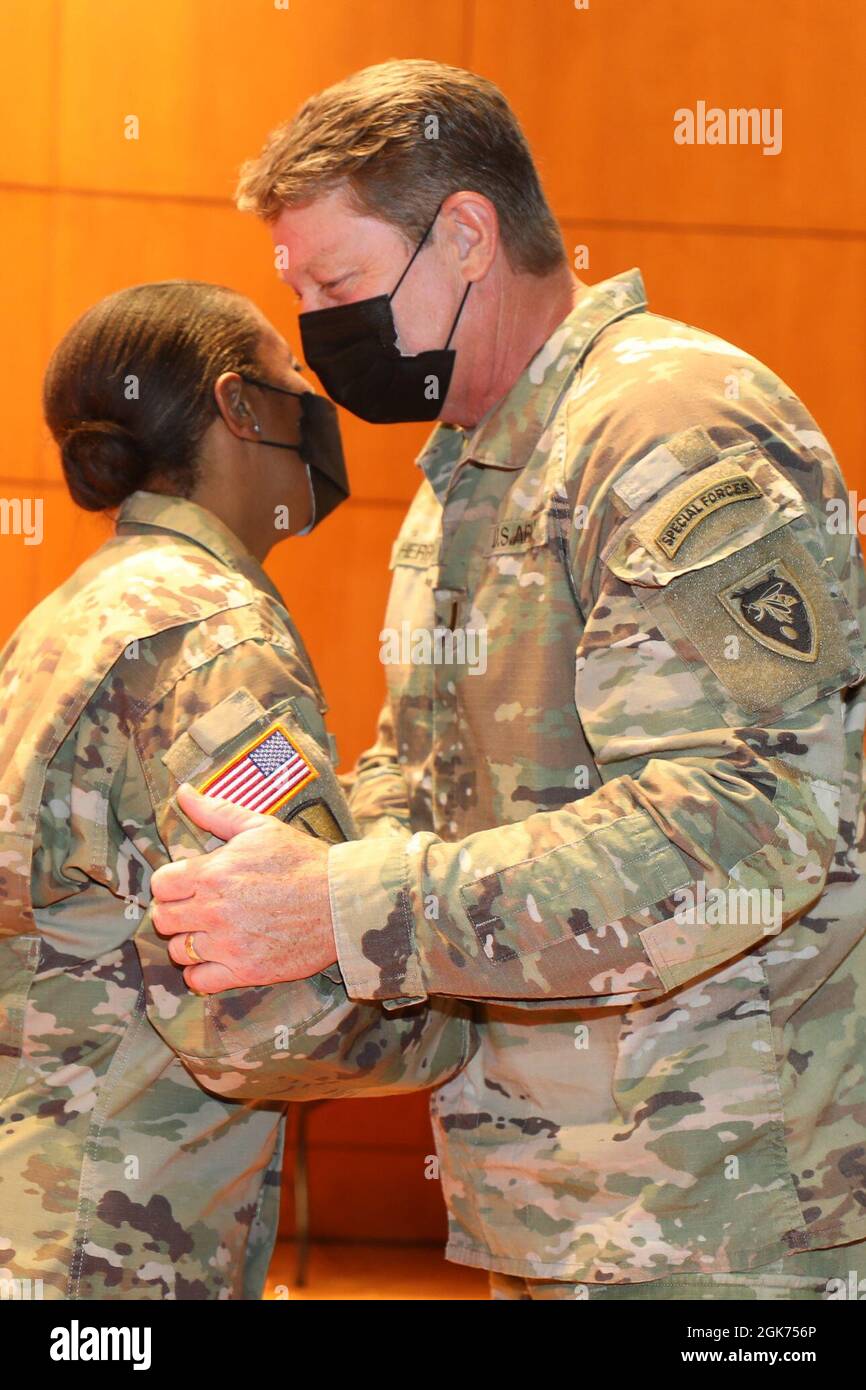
189, 947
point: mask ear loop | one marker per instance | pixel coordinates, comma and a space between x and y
408, 267
307, 529
284, 391
415, 252
457, 315
296, 448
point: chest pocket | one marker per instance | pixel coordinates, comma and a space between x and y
730, 567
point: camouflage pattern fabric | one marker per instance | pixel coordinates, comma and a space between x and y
825, 1276
620, 806
164, 655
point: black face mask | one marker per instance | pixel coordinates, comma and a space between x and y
321, 448
353, 350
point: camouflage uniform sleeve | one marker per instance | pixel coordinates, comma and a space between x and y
377, 791
710, 683
295, 1041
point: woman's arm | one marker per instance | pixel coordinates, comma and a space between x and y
236, 716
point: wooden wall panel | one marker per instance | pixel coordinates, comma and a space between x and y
370, 1193
372, 1177
25, 340
597, 90
29, 73
209, 78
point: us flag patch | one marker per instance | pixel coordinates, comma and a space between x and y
269, 772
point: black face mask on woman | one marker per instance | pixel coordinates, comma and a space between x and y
353, 350
320, 448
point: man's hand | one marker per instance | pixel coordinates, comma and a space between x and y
256, 911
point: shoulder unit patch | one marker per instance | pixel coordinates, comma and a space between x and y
772, 607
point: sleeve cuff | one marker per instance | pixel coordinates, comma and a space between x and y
374, 926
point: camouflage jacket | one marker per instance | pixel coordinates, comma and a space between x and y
165, 656
625, 724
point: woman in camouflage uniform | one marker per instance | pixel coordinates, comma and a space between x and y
168, 655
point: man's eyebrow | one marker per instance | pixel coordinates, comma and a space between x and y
327, 256
329, 263
323, 263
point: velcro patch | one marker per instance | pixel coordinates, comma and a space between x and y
797, 638
418, 548
738, 487
318, 820
264, 775
414, 552
518, 533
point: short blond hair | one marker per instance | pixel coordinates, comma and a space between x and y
403, 135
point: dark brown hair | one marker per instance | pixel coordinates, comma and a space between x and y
403, 135
128, 393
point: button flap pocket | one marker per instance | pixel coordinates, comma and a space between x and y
213, 729
704, 517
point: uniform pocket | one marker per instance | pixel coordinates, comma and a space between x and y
705, 516
265, 759
581, 890
739, 583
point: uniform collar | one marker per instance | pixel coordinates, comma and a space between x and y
197, 524
511, 429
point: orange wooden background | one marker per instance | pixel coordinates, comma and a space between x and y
767, 251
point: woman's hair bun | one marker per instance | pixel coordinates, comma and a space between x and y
103, 464
174, 339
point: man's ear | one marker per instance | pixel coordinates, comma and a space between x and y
230, 394
473, 225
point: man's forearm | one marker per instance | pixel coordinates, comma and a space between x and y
585, 902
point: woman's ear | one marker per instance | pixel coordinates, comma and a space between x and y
230, 394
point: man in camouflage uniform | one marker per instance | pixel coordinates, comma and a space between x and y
167, 653
635, 838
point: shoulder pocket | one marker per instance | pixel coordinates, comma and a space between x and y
263, 759
730, 566
704, 517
